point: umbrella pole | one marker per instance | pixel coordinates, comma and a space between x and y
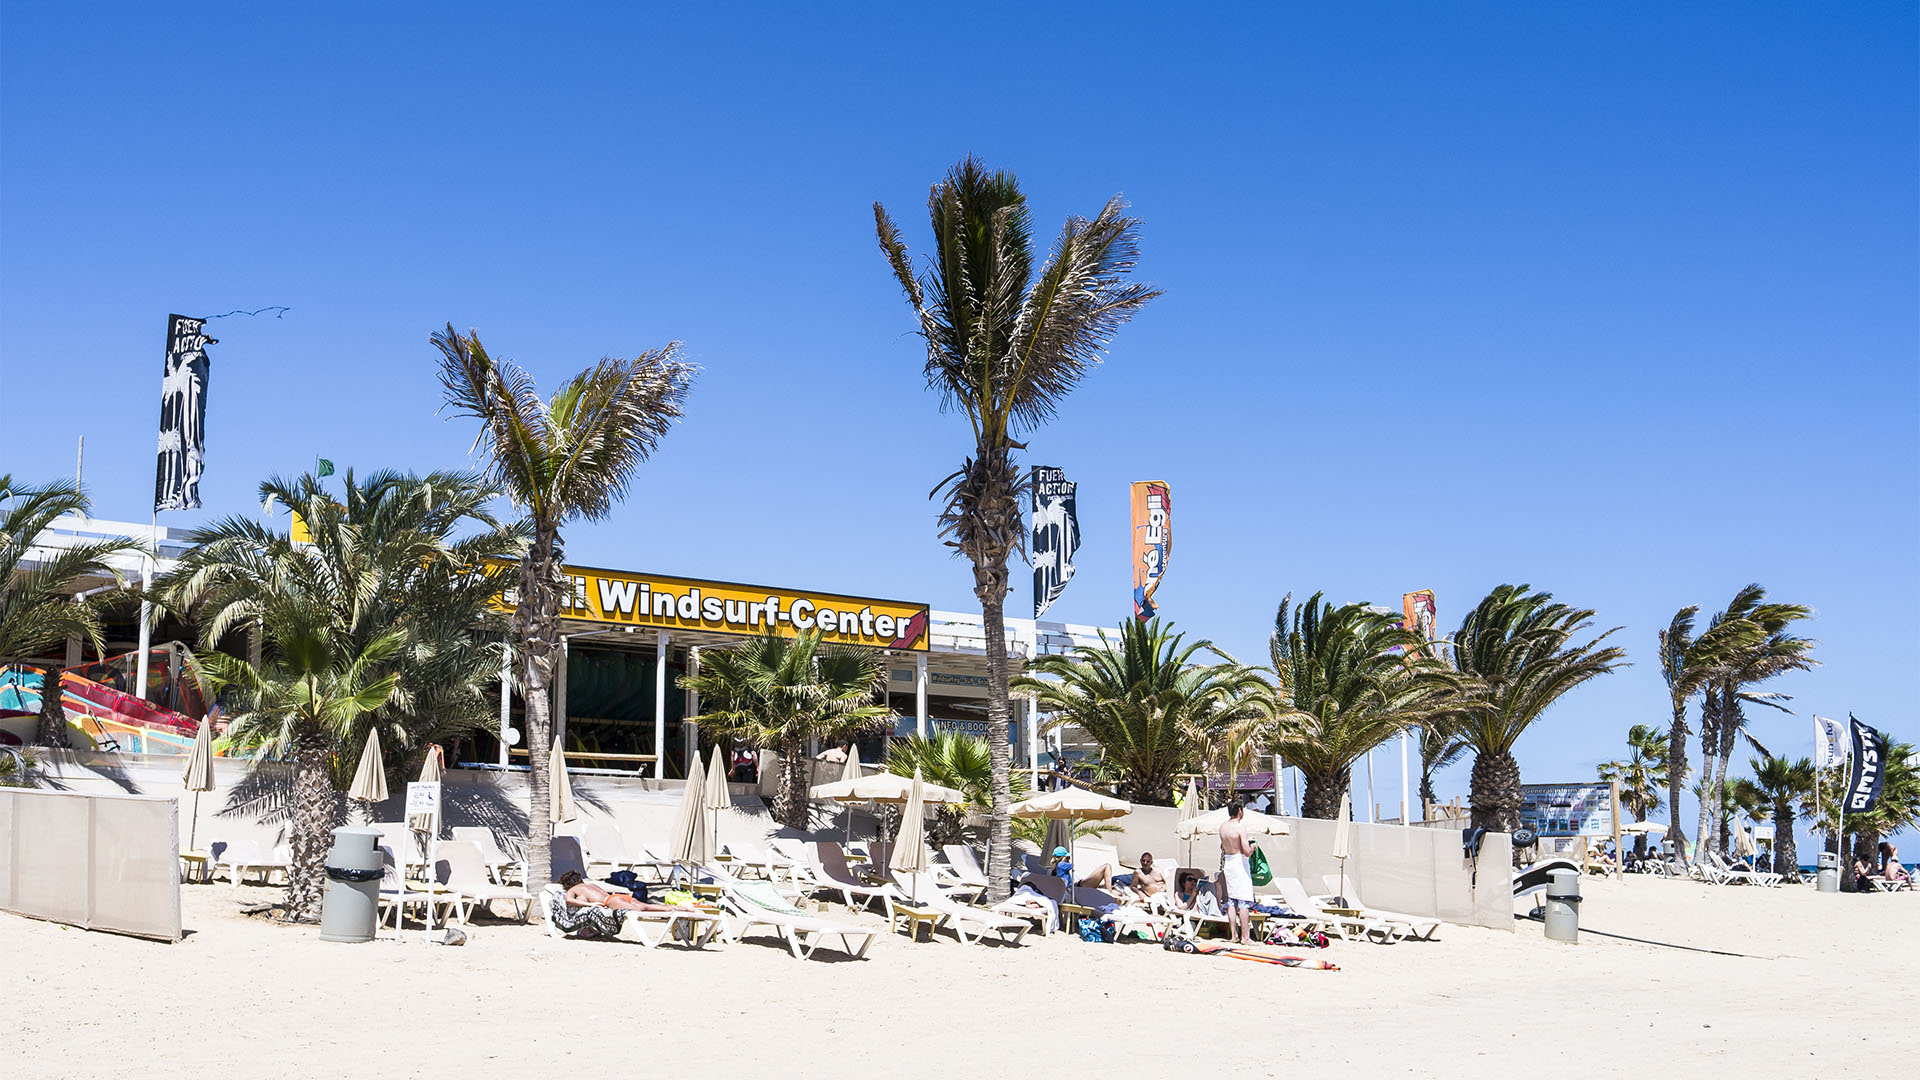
193, 823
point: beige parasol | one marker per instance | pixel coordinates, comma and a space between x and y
1074, 805
910, 843
430, 772
1208, 824
199, 774
1343, 844
559, 788
370, 779
690, 841
885, 787
1189, 809
715, 795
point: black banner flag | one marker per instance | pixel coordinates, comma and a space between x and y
1869, 769
183, 416
1056, 535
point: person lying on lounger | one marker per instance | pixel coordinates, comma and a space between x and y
584, 893
1100, 877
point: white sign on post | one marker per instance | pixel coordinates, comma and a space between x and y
423, 798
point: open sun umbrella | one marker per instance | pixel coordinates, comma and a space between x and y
910, 843
714, 794
1208, 824
1343, 844
690, 843
884, 787
199, 775
1073, 805
559, 789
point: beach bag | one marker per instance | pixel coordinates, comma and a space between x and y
1258, 869
1097, 930
631, 882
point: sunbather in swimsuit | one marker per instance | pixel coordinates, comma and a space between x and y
584, 893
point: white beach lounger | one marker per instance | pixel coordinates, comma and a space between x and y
499, 863
836, 876
241, 857
462, 868
923, 892
1348, 922
757, 904
1419, 928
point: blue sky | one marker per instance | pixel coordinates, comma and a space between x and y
1619, 302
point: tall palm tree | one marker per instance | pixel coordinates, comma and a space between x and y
1005, 347
1144, 700
1764, 650
1515, 654
39, 607
1783, 787
778, 693
1689, 664
569, 457
1342, 687
1642, 773
956, 760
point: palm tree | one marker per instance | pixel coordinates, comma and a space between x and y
1764, 651
379, 619
39, 608
1341, 688
1689, 664
1641, 775
301, 703
1782, 787
778, 693
397, 552
569, 457
951, 759
1005, 347
1515, 656
1146, 703
1440, 747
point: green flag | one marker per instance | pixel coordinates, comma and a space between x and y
322, 467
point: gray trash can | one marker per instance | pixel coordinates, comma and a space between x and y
351, 908
1563, 906
1828, 875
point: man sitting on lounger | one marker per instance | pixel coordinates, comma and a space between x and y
584, 893
1146, 882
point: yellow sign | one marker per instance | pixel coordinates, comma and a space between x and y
630, 599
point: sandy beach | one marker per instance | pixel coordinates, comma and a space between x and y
1717, 981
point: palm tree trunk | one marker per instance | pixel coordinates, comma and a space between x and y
790, 800
313, 809
1677, 776
1709, 751
536, 617
53, 712
1496, 792
1785, 853
1321, 799
990, 585
1732, 719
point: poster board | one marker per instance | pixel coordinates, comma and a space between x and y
1566, 810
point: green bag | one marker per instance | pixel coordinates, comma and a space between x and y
1257, 867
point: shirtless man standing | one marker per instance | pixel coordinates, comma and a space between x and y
1236, 871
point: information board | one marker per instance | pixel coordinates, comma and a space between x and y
1567, 809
